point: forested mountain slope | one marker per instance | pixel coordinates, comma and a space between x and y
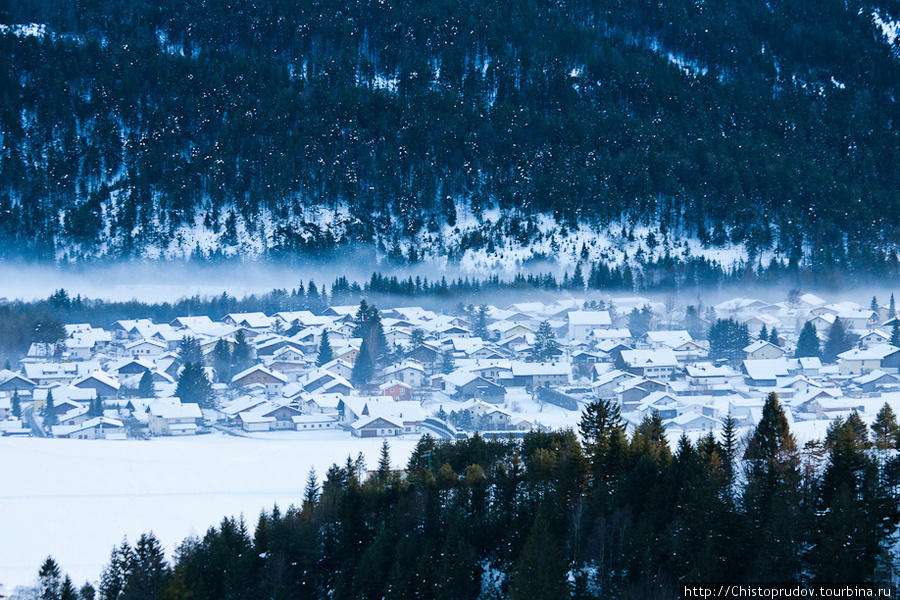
275, 127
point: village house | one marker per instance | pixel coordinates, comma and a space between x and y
315, 422
258, 374
408, 372
396, 390
173, 418
762, 350
103, 383
98, 428
581, 323
648, 363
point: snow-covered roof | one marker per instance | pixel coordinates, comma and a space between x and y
260, 369
664, 357
170, 410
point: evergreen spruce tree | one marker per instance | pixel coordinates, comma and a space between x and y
86, 592
852, 527
541, 568
873, 305
837, 342
545, 346
310, 493
447, 363
146, 387
892, 308
729, 447
808, 342
326, 353
16, 404
149, 571
189, 350
384, 463
50, 410
727, 339
885, 429
773, 337
49, 580
363, 369
67, 590
895, 333
763, 333
480, 328
240, 352
222, 361
193, 386
771, 498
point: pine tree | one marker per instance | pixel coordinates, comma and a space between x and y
326, 353
773, 337
189, 350
149, 570
86, 592
729, 447
49, 580
892, 308
384, 463
545, 346
363, 369
146, 387
240, 352
50, 411
772, 500
808, 342
448, 364
310, 492
541, 568
67, 590
852, 528
895, 333
885, 429
222, 361
480, 328
763, 333
873, 305
727, 339
837, 342
193, 386
16, 404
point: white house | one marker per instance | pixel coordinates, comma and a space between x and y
173, 418
583, 322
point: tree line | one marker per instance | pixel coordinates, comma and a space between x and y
609, 513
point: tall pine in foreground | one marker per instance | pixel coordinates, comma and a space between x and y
541, 569
775, 514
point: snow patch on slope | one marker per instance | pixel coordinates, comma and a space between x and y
889, 29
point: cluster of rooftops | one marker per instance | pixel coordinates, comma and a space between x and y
444, 379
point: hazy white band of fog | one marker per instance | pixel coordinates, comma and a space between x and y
160, 281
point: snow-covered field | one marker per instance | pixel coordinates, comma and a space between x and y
76, 499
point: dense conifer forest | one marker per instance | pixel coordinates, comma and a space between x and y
768, 124
553, 515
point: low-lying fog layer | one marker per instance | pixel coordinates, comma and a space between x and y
150, 282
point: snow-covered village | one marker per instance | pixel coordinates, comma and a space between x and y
494, 370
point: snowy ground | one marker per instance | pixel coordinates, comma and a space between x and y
76, 499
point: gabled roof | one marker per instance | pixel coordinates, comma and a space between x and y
759, 345
260, 369
664, 357
99, 376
